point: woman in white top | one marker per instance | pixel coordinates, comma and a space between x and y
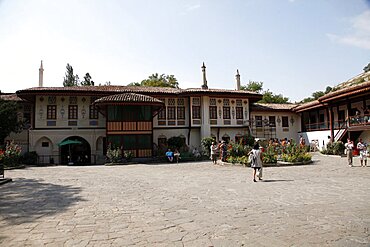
256, 161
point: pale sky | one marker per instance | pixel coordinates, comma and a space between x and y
295, 47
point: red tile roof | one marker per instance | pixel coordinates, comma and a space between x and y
10, 97
272, 107
128, 97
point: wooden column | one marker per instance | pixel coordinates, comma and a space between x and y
331, 123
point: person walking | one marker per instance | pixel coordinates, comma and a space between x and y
363, 152
349, 148
256, 161
214, 151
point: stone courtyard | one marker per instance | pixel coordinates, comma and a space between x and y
326, 203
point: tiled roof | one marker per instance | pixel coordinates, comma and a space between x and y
272, 107
128, 97
103, 89
10, 97
308, 105
152, 91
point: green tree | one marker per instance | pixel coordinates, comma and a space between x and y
134, 84
269, 97
70, 79
367, 68
156, 80
254, 86
8, 119
87, 80
317, 94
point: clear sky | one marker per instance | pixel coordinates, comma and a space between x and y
295, 47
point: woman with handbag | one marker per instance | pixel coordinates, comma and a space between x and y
256, 162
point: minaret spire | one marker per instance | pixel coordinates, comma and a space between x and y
41, 75
237, 76
204, 86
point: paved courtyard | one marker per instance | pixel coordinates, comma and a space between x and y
190, 204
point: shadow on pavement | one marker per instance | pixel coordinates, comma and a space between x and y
26, 200
276, 180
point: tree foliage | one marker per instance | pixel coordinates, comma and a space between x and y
8, 119
269, 97
87, 80
254, 86
367, 68
156, 80
70, 79
316, 95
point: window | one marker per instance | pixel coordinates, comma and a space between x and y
94, 114
213, 112
51, 112
162, 114
45, 144
196, 112
181, 112
239, 112
72, 112
258, 121
171, 110
272, 122
285, 122
212, 101
226, 112
73, 100
52, 100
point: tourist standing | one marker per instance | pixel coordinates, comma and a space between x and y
349, 148
214, 151
363, 152
256, 161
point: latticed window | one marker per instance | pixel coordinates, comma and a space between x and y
258, 121
51, 112
285, 122
196, 112
72, 112
171, 111
212, 112
196, 101
52, 100
171, 102
226, 112
73, 100
226, 102
162, 114
239, 102
212, 101
180, 102
272, 122
93, 114
239, 112
181, 112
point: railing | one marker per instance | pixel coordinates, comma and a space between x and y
359, 120
60, 159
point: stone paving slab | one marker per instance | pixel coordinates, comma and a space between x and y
189, 204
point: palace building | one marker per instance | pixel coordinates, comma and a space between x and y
141, 119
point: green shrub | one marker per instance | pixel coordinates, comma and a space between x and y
334, 148
176, 142
114, 155
270, 155
206, 143
10, 157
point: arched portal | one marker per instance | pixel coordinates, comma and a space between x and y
77, 152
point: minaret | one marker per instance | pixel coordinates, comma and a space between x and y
237, 80
41, 75
204, 86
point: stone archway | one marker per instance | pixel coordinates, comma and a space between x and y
77, 154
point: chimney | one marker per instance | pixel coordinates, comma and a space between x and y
204, 86
41, 75
237, 80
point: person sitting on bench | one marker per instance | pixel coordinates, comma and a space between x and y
169, 155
